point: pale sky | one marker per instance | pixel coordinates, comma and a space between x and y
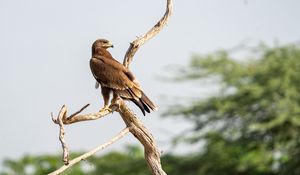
45, 52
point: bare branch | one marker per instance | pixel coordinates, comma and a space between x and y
136, 44
74, 118
62, 113
83, 108
152, 154
92, 152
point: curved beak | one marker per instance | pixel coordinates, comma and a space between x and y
109, 44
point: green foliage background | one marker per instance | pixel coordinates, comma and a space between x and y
250, 127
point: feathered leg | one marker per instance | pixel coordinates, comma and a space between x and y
105, 93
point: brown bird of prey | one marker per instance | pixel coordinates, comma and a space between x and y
115, 78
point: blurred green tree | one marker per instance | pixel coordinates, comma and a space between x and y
252, 126
130, 162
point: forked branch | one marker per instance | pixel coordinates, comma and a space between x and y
134, 125
74, 118
92, 152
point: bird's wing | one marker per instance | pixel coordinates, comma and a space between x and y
112, 74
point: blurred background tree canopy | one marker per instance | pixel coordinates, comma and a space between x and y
250, 127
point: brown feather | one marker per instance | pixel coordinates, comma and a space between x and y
140, 105
145, 100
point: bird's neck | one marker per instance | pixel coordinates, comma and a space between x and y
101, 52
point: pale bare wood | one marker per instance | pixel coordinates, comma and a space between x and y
136, 44
92, 152
152, 154
74, 118
59, 119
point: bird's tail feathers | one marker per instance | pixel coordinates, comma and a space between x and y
140, 105
144, 103
148, 103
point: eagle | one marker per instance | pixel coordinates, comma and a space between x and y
115, 78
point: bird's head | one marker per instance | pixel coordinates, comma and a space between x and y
102, 43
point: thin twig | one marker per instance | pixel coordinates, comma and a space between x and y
62, 135
92, 152
83, 108
74, 118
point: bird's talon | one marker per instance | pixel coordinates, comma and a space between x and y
105, 108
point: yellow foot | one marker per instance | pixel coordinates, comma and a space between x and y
105, 108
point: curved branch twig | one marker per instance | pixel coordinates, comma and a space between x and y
74, 118
92, 152
136, 44
62, 114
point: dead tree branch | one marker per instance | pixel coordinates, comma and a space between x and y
92, 152
134, 125
152, 154
136, 44
74, 118
61, 115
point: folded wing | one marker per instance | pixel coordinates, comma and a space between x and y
112, 74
